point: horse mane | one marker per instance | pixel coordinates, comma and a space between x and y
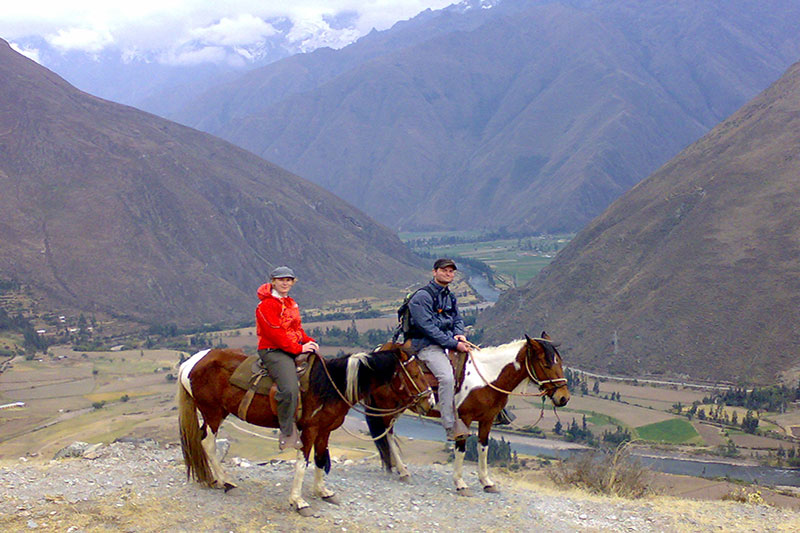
549, 351
352, 374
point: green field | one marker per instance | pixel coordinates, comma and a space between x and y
673, 431
514, 260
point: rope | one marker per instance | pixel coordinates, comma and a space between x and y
370, 439
364, 412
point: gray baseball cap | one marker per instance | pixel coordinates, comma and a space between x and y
282, 272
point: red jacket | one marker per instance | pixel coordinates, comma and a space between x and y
278, 323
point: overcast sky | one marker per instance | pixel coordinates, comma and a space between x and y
164, 27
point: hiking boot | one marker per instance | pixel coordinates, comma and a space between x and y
458, 431
291, 440
504, 417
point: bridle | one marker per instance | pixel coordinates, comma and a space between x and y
375, 411
532, 375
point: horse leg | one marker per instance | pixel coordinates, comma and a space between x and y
296, 495
322, 463
397, 458
484, 428
458, 468
221, 479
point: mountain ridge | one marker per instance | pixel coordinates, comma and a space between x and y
535, 105
120, 211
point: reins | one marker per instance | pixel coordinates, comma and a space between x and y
380, 412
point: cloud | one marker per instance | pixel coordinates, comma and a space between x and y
29, 52
309, 35
242, 30
165, 28
88, 40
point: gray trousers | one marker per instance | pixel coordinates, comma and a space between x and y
438, 363
280, 367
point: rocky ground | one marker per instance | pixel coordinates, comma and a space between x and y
141, 486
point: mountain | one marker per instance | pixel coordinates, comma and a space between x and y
695, 271
531, 115
110, 209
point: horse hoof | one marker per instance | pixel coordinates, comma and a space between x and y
331, 499
229, 486
304, 511
464, 492
491, 488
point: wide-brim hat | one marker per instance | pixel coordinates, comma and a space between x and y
282, 272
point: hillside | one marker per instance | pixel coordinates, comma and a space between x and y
109, 209
695, 271
533, 116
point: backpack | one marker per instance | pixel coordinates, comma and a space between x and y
404, 314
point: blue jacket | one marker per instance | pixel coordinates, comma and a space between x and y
434, 320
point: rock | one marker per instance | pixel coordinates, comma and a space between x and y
75, 449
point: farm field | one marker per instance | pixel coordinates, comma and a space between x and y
514, 260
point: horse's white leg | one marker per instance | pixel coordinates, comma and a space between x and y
320, 489
296, 495
397, 458
458, 471
483, 469
221, 479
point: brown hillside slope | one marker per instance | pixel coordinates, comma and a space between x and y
697, 269
111, 209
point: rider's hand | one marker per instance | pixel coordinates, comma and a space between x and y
310, 346
460, 338
463, 347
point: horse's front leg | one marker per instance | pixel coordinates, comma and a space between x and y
484, 428
460, 452
322, 462
296, 495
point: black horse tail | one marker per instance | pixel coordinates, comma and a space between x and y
377, 427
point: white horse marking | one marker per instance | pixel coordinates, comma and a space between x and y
491, 362
187, 366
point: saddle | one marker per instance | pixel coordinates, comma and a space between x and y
251, 377
459, 361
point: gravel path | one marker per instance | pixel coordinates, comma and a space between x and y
141, 486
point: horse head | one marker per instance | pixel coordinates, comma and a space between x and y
409, 383
544, 368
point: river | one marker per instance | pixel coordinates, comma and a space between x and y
426, 429
481, 285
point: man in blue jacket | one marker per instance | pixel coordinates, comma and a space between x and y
436, 326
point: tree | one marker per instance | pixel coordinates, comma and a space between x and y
749, 422
596, 387
558, 428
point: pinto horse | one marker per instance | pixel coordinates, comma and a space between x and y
490, 376
335, 385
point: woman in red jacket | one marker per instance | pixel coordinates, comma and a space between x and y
280, 339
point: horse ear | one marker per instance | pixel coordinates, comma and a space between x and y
527, 339
545, 335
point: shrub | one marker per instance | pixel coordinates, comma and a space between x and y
614, 473
743, 496
98, 405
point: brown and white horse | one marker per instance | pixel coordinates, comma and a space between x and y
336, 385
490, 376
